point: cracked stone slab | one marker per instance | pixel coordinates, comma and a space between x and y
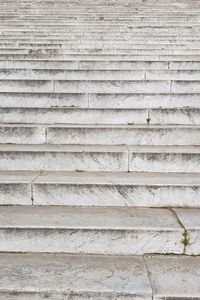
174, 277
95, 230
59, 277
117, 189
190, 218
15, 187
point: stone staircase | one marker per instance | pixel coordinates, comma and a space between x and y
99, 150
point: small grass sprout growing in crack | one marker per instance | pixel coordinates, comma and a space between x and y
186, 239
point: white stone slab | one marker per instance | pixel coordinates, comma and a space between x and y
73, 116
164, 159
56, 74
144, 100
90, 230
190, 218
26, 86
73, 277
112, 86
114, 189
123, 135
20, 134
174, 277
15, 188
63, 158
45, 100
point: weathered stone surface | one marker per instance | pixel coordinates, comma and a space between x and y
190, 219
15, 187
164, 159
63, 158
117, 189
65, 277
123, 135
21, 134
174, 277
90, 230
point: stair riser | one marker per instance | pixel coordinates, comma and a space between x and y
24, 74
115, 101
101, 161
64, 296
116, 195
91, 241
164, 162
68, 161
145, 87
99, 136
21, 193
15, 193
130, 136
100, 57
17, 74
47, 86
118, 116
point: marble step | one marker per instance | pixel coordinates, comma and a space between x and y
65, 276
100, 57
177, 159
117, 48
92, 75
116, 277
159, 116
93, 230
99, 65
100, 134
98, 100
34, 45
100, 86
99, 189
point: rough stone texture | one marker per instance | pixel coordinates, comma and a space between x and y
63, 158
67, 277
174, 277
191, 221
117, 189
15, 188
90, 230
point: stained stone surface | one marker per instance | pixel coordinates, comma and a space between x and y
191, 221
99, 150
73, 277
174, 277
90, 230
63, 158
15, 187
114, 189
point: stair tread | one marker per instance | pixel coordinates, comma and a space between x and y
82, 276
94, 218
119, 275
102, 178
99, 148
